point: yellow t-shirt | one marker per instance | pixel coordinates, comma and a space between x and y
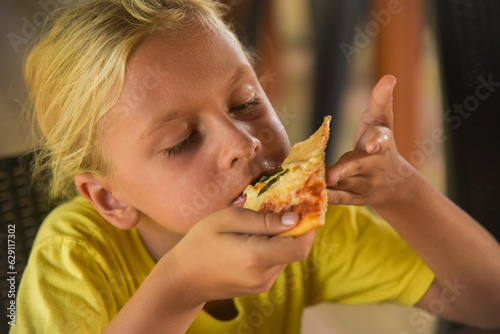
82, 271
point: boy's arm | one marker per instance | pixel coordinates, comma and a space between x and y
159, 305
231, 253
462, 254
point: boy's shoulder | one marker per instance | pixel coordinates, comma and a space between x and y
79, 260
353, 220
78, 223
74, 219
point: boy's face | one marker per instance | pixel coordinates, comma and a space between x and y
191, 130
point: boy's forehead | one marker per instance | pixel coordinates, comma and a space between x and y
191, 46
169, 71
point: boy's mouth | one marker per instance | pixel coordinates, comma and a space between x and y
240, 200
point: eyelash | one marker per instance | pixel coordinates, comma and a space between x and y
254, 102
182, 145
175, 150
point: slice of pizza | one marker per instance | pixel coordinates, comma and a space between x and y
298, 185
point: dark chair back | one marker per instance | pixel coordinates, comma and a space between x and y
22, 210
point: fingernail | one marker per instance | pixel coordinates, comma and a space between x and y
336, 180
372, 148
289, 218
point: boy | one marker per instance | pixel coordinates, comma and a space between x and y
153, 110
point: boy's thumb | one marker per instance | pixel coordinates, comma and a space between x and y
247, 221
289, 219
276, 223
380, 108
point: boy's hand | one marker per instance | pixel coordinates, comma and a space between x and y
235, 252
363, 176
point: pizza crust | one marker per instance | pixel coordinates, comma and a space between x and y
298, 186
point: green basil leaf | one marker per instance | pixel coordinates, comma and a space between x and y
266, 177
273, 181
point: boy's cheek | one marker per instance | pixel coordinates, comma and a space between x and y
274, 140
199, 201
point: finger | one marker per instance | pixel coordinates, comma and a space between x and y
343, 197
375, 140
349, 164
354, 185
380, 110
275, 251
298, 247
245, 221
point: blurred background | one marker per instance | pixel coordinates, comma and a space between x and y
322, 57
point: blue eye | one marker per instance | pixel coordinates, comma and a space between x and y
182, 145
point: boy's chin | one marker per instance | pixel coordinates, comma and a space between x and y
239, 201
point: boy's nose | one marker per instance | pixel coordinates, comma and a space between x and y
238, 144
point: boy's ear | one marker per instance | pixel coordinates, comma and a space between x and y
118, 213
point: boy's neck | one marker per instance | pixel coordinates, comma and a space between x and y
157, 239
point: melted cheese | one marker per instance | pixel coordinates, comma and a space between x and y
286, 188
302, 189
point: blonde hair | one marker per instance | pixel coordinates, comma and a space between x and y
75, 75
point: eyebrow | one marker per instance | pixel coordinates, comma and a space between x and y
158, 122
241, 71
